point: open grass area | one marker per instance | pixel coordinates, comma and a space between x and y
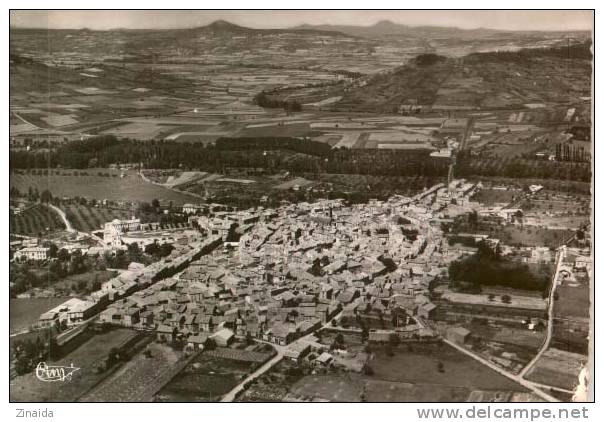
25, 312
35, 220
411, 373
573, 300
557, 368
86, 357
333, 388
490, 197
109, 185
418, 364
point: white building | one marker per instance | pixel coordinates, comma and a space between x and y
112, 233
33, 254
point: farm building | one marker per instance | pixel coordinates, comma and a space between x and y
197, 341
223, 337
458, 334
296, 351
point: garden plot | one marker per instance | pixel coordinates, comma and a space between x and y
60, 120
347, 140
558, 369
517, 301
140, 378
400, 137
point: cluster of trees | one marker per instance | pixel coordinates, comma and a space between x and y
263, 100
34, 195
429, 59
488, 268
304, 146
27, 275
28, 352
461, 240
159, 251
410, 233
522, 168
580, 51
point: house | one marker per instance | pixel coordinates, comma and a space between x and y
81, 312
206, 323
458, 335
197, 342
166, 333
296, 351
49, 319
111, 315
223, 337
131, 317
325, 359
281, 333
427, 311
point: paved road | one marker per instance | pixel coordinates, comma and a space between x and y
550, 314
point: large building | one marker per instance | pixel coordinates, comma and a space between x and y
32, 254
113, 231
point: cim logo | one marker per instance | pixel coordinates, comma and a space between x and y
54, 373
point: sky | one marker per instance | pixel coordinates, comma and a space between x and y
536, 20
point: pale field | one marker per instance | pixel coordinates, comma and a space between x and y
523, 302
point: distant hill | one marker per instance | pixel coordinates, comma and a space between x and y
479, 80
141, 42
386, 28
224, 28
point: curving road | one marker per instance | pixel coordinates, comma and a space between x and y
59, 211
550, 314
529, 385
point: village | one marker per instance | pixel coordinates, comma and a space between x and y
291, 276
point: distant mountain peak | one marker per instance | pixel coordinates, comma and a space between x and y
222, 24
385, 22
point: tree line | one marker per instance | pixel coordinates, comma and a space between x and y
487, 267
284, 154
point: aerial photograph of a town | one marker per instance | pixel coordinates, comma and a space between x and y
300, 206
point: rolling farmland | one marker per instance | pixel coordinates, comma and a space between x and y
34, 220
87, 218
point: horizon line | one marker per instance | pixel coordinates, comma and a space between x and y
296, 27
